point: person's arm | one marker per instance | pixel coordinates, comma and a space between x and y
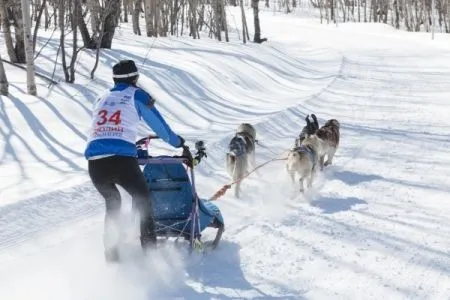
145, 106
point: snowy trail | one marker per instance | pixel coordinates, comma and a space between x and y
375, 224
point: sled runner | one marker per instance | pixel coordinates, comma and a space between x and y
178, 211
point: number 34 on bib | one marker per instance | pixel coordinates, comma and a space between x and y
108, 117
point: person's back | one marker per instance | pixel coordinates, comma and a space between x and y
112, 155
114, 124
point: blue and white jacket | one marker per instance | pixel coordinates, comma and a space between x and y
115, 122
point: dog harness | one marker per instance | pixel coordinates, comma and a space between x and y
309, 151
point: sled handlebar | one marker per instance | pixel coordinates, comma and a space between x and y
142, 144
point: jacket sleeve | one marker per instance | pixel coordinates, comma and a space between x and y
147, 111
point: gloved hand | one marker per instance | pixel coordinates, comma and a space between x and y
188, 155
182, 141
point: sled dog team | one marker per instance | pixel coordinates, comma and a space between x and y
314, 148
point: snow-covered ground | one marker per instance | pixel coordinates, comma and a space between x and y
375, 225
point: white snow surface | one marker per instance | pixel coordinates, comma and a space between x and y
375, 225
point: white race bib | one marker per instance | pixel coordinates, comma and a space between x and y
115, 117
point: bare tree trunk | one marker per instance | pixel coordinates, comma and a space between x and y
244, 23
125, 10
111, 20
257, 36
224, 21
61, 16
74, 22
35, 5
28, 42
183, 12
148, 17
332, 2
218, 20
95, 9
157, 25
397, 14
173, 15
320, 2
365, 10
193, 17
38, 22
359, 10
55, 15
3, 80
19, 47
109, 7
7, 32
47, 18
88, 41
135, 16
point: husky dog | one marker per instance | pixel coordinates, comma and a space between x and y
309, 129
304, 160
329, 134
241, 153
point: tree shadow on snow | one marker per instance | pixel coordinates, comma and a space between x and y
330, 205
45, 136
219, 276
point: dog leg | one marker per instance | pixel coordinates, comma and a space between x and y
231, 165
292, 174
237, 189
239, 172
302, 190
330, 157
321, 160
312, 176
310, 180
253, 162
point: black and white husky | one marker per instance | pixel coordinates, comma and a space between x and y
241, 153
309, 129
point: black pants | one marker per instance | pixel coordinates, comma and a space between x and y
106, 172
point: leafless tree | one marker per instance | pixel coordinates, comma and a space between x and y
135, 17
28, 42
38, 22
257, 37
5, 20
62, 42
11, 13
3, 79
245, 35
74, 24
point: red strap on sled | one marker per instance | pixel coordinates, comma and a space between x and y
220, 192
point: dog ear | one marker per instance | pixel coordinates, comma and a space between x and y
309, 126
307, 120
316, 123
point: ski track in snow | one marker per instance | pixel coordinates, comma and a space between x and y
375, 224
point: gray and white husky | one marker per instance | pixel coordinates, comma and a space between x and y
241, 153
304, 160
